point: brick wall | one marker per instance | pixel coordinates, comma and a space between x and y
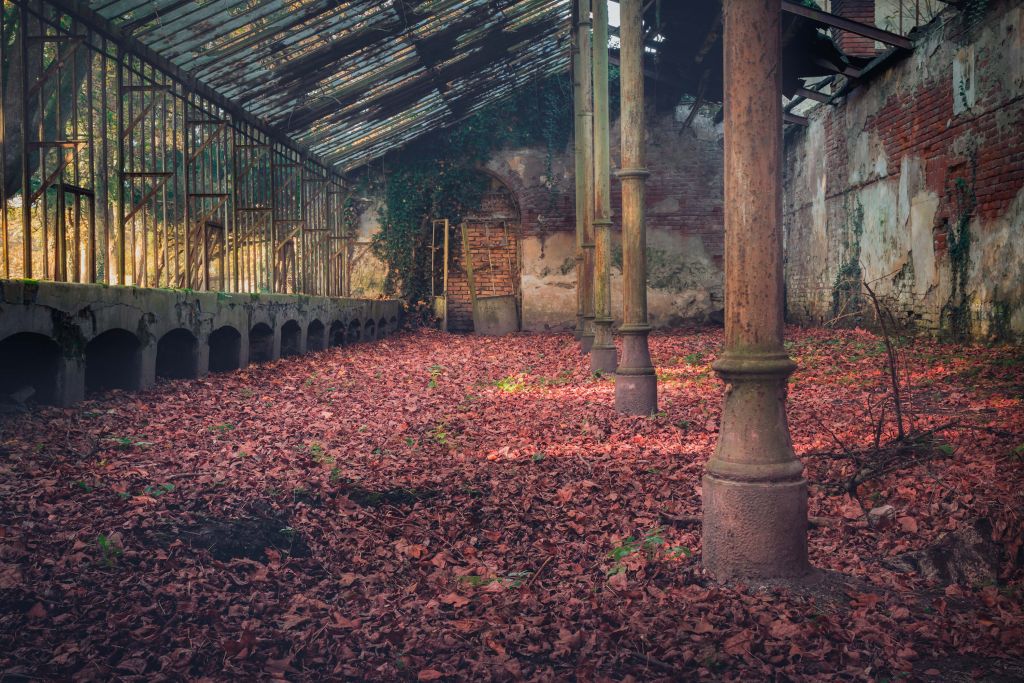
492, 237
897, 156
857, 10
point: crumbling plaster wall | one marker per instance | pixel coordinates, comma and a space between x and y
880, 178
685, 237
684, 225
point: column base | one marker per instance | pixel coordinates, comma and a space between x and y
636, 394
754, 529
604, 359
586, 343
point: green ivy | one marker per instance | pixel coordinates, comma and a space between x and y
957, 310
846, 289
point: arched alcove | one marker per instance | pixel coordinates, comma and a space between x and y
261, 343
369, 330
382, 328
112, 361
315, 340
354, 332
177, 355
29, 360
291, 339
337, 334
225, 349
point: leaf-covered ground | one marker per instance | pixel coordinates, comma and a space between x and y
440, 507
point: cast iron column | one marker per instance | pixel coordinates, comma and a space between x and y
602, 354
577, 103
587, 143
755, 496
636, 386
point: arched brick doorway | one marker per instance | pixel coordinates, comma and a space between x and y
492, 235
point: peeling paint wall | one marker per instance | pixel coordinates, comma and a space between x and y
882, 179
685, 236
684, 225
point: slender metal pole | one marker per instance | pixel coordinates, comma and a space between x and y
119, 78
602, 355
636, 385
587, 144
577, 101
26, 175
754, 493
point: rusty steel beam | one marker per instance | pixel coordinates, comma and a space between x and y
795, 118
827, 20
809, 94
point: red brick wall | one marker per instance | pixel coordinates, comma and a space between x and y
492, 236
910, 133
857, 10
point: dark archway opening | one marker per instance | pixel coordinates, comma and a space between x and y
112, 361
354, 333
225, 349
382, 328
337, 334
291, 339
29, 360
369, 331
177, 355
393, 325
315, 336
261, 343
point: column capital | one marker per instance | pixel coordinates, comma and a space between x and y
601, 222
627, 328
624, 173
754, 366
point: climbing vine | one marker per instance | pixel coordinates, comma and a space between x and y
958, 241
846, 289
436, 177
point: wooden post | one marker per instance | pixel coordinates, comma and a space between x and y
603, 355
636, 384
586, 142
755, 496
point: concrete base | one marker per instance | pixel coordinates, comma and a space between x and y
636, 394
754, 529
604, 360
495, 316
69, 324
586, 344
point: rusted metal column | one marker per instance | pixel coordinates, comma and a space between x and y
636, 385
587, 144
755, 496
577, 103
602, 355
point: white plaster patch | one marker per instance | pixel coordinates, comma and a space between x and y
668, 205
922, 244
964, 81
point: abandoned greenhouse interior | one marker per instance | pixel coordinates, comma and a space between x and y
598, 340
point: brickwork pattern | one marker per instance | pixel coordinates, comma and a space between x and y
914, 112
